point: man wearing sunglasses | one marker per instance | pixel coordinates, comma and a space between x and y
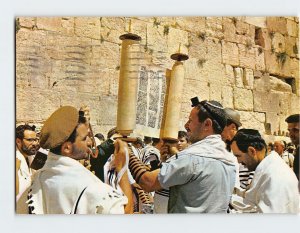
27, 145
274, 188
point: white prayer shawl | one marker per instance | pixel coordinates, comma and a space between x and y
64, 186
272, 190
24, 173
211, 147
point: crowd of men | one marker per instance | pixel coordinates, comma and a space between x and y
213, 167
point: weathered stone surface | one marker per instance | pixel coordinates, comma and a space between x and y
76, 61
278, 43
259, 59
227, 96
88, 27
67, 24
256, 21
266, 102
272, 118
230, 53
229, 74
49, 23
292, 45
229, 30
295, 104
243, 99
253, 120
294, 68
214, 27
246, 56
292, 28
277, 24
239, 74
279, 85
28, 22
191, 24
248, 79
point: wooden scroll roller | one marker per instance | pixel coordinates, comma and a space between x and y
172, 105
128, 82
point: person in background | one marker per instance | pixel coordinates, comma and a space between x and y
27, 144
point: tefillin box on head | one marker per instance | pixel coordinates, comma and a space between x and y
195, 101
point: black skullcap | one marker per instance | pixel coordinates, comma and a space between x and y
292, 118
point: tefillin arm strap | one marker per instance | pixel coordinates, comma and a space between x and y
136, 166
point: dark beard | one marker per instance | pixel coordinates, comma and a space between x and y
28, 151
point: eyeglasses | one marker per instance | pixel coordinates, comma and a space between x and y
31, 140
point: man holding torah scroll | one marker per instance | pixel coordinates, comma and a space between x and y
64, 185
201, 178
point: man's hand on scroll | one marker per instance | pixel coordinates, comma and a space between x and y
168, 149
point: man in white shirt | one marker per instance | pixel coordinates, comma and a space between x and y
27, 144
274, 188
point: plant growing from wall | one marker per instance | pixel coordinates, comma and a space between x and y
201, 62
260, 50
101, 39
281, 58
295, 49
202, 36
166, 30
18, 26
271, 34
234, 20
156, 23
248, 44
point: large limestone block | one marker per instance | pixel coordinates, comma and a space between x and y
67, 24
256, 21
214, 91
242, 28
284, 103
294, 68
295, 104
277, 24
246, 56
239, 74
279, 85
229, 30
264, 102
197, 47
88, 27
214, 27
243, 99
49, 23
230, 53
272, 118
28, 22
194, 25
106, 55
248, 79
227, 96
278, 42
278, 63
194, 88
292, 28
292, 45
176, 40
229, 75
253, 120
111, 28
48, 102
194, 71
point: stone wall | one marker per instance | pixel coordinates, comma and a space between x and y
248, 63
